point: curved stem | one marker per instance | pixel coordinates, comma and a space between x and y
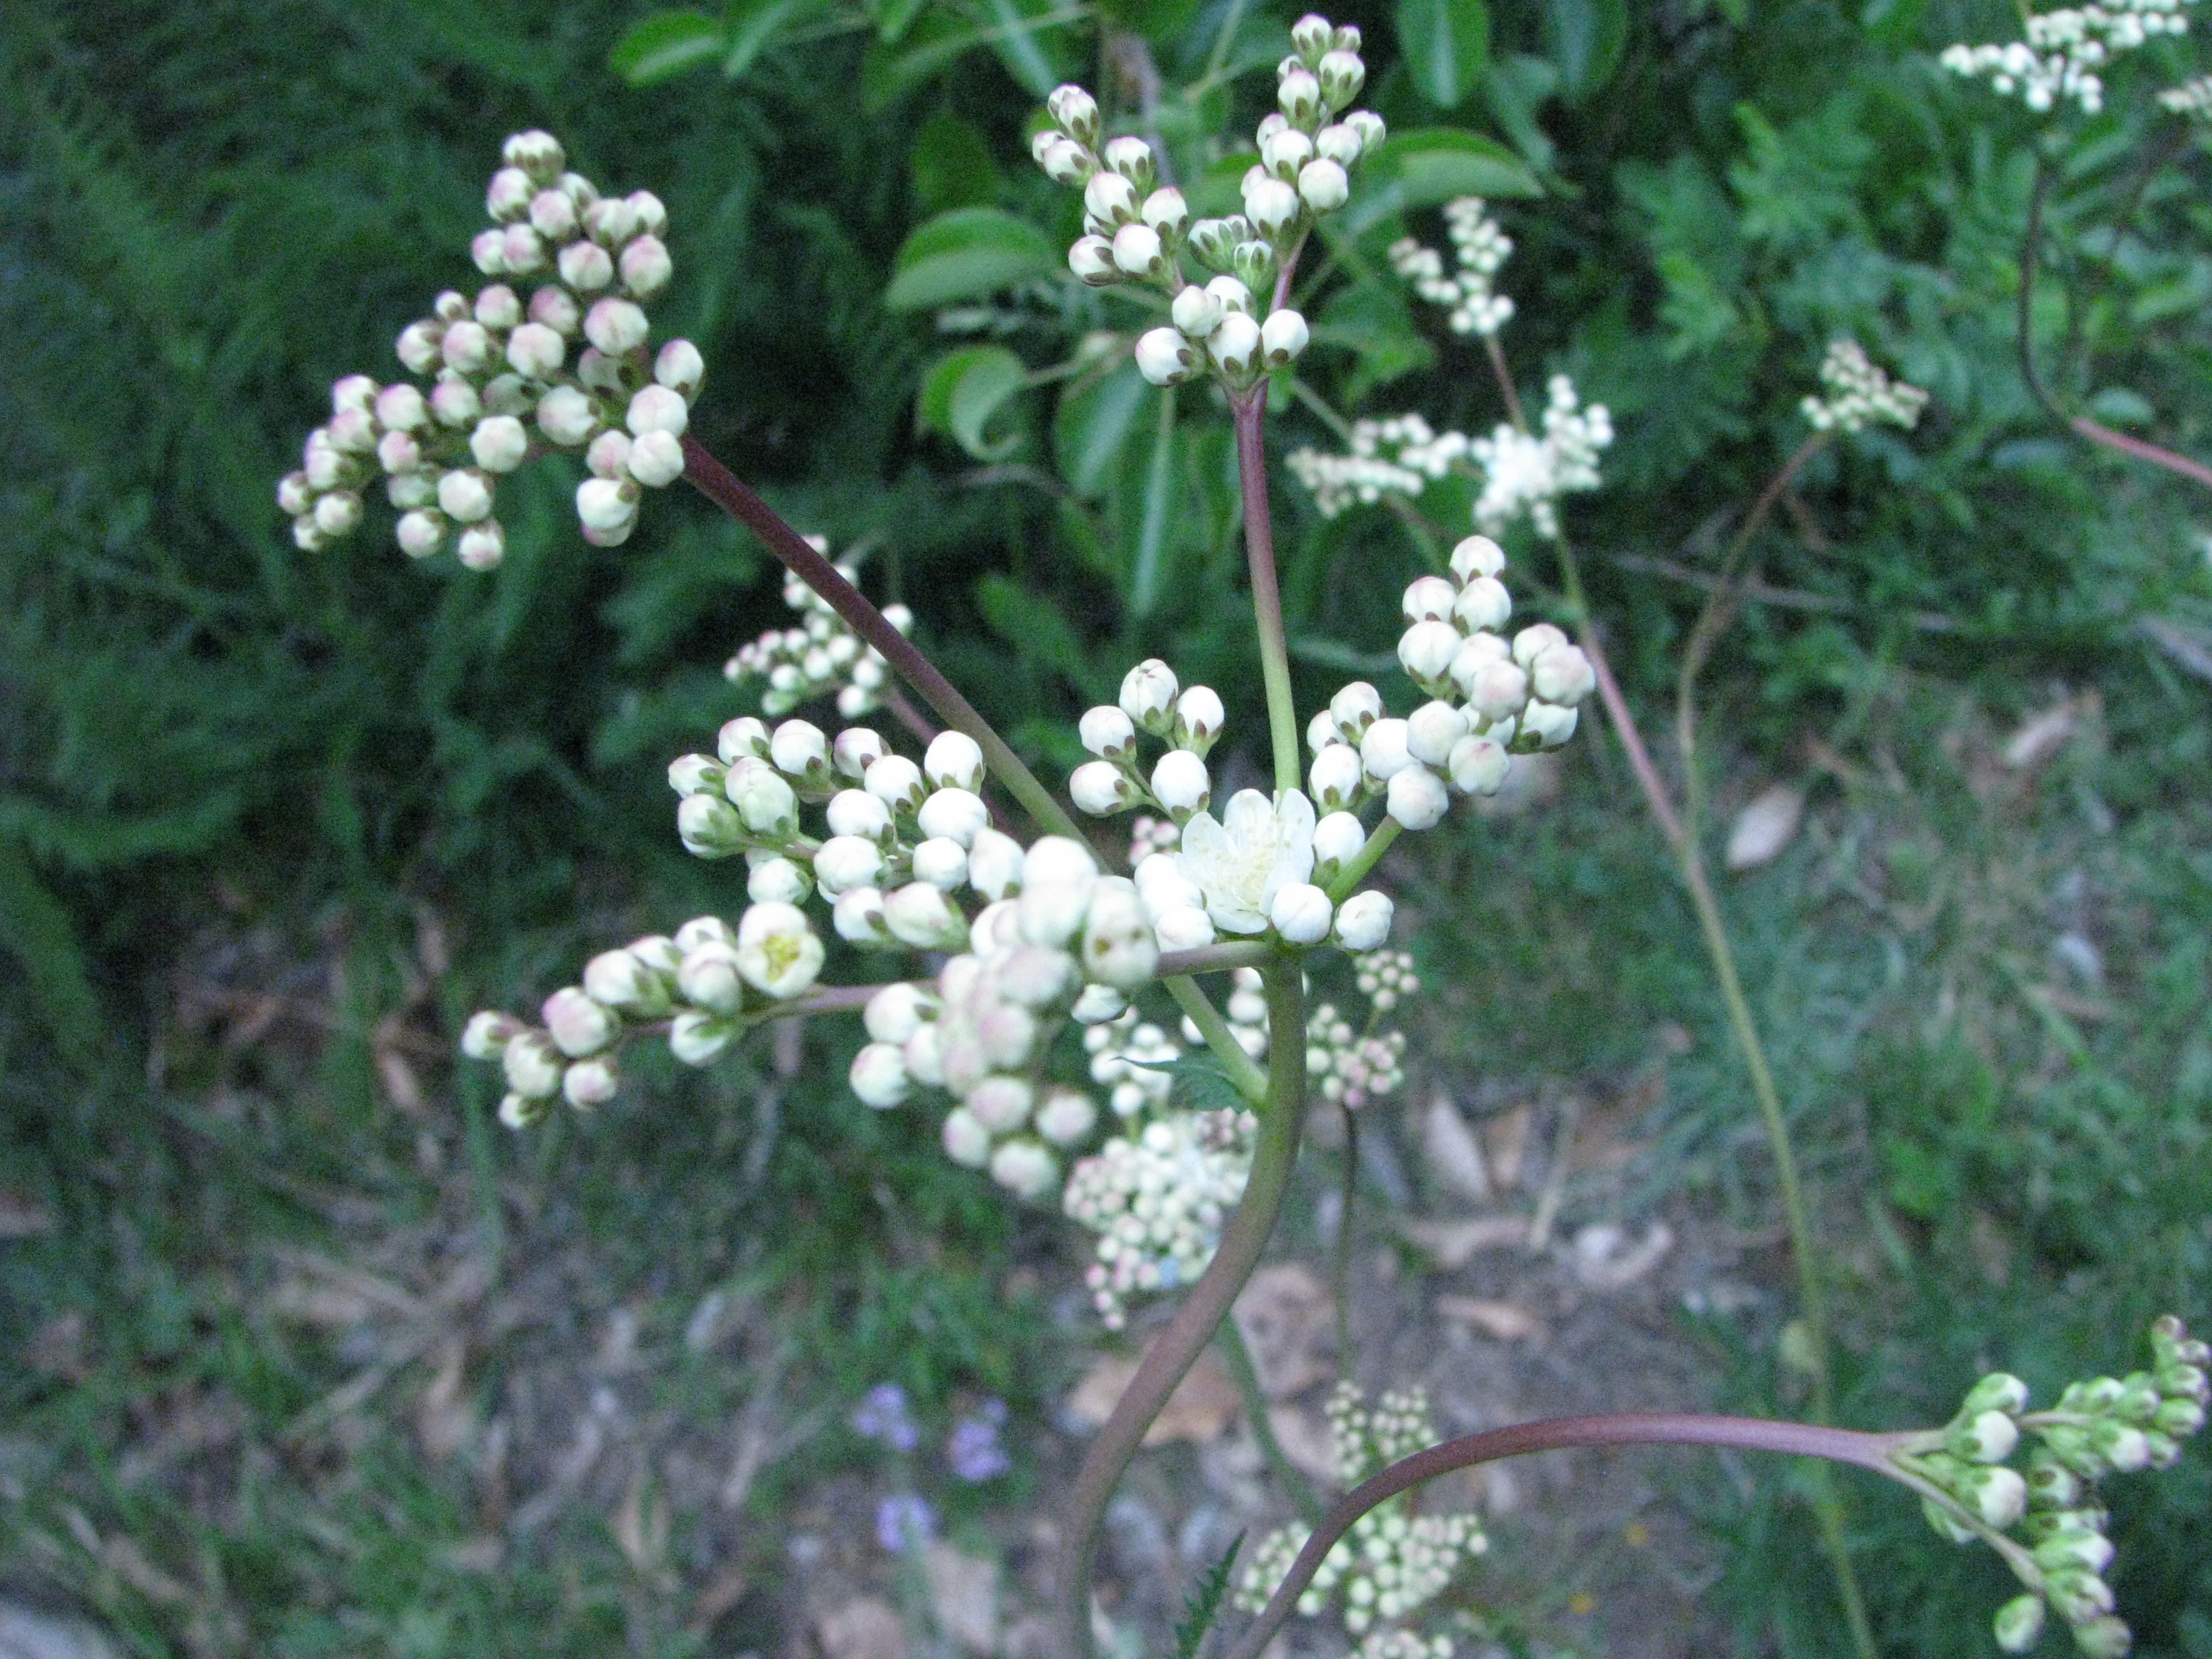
1243, 1071
1216, 958
1246, 1376
1867, 1451
727, 491
1176, 1348
1266, 590
1377, 843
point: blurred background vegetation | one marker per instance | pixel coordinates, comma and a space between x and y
270, 824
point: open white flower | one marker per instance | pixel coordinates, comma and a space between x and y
1259, 848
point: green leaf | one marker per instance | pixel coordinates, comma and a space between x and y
664, 44
35, 928
1152, 526
953, 166
752, 25
1433, 165
1035, 56
1446, 44
1585, 39
965, 253
963, 390
1206, 1602
1091, 425
1371, 321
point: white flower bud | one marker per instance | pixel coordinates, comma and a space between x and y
533, 1066
1383, 750
646, 266
708, 828
656, 459
657, 409
499, 443
1336, 777
487, 249
1137, 251
1148, 694
1428, 599
396, 452
608, 457
497, 308
647, 212
1339, 143
1548, 723
954, 815
483, 545
566, 416
604, 504
409, 490
2019, 1623
954, 761
1075, 112
897, 781
615, 326
590, 1084
1534, 641
1312, 36
857, 916
296, 495
1119, 948
538, 154
611, 222
1196, 311
1064, 161
1107, 733
1477, 766
489, 1033
1058, 877
1354, 708
1110, 199
1337, 841
697, 1039
1025, 1169
417, 346
680, 368
919, 914
1342, 75
879, 1076
553, 306
742, 737
764, 801
521, 250
1168, 214
994, 864
1426, 650
1298, 96
586, 267
1272, 205
1282, 336
708, 976
1101, 788
777, 951
338, 513
1563, 675
1198, 717
1362, 922
1284, 151
466, 347
1180, 783
855, 749
464, 493
506, 394
1433, 732
1418, 797
799, 749
1477, 555
942, 862
508, 198
1065, 1117
1323, 186
1092, 259
1369, 125
401, 408
1301, 914
1236, 344
1096, 1004
1163, 356
1185, 929
1232, 293
778, 880
966, 1142
1133, 159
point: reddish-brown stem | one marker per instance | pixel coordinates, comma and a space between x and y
1869, 1451
1266, 589
727, 491
907, 715
2196, 472
1511, 392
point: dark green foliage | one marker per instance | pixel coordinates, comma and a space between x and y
1205, 1603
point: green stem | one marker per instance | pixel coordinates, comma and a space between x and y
1348, 1197
1217, 959
1238, 1357
1267, 592
1177, 1346
1243, 1071
1377, 843
723, 486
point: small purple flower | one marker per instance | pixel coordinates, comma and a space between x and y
973, 1451
904, 1522
882, 1416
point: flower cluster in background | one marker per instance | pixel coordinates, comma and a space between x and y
2191, 98
2058, 61
1229, 326
1394, 1559
570, 368
1349, 1066
974, 1454
2047, 1523
1480, 247
1524, 475
820, 657
1860, 394
1397, 455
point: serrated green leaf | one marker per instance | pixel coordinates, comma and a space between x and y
664, 44
1447, 45
1090, 425
963, 390
1206, 1600
964, 254
1430, 165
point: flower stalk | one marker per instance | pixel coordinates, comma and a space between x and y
1267, 590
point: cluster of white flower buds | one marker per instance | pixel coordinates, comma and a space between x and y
1415, 454
1489, 700
1394, 1560
506, 376
820, 657
2192, 98
1525, 474
1347, 1066
2105, 1426
1136, 233
1480, 247
702, 987
1399, 1642
1185, 720
1860, 394
1156, 1195
2064, 49
1386, 978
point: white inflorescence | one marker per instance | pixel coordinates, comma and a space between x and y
2058, 61
1468, 294
1397, 455
1524, 474
1860, 394
1224, 326
820, 657
1394, 1560
569, 369
2189, 97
